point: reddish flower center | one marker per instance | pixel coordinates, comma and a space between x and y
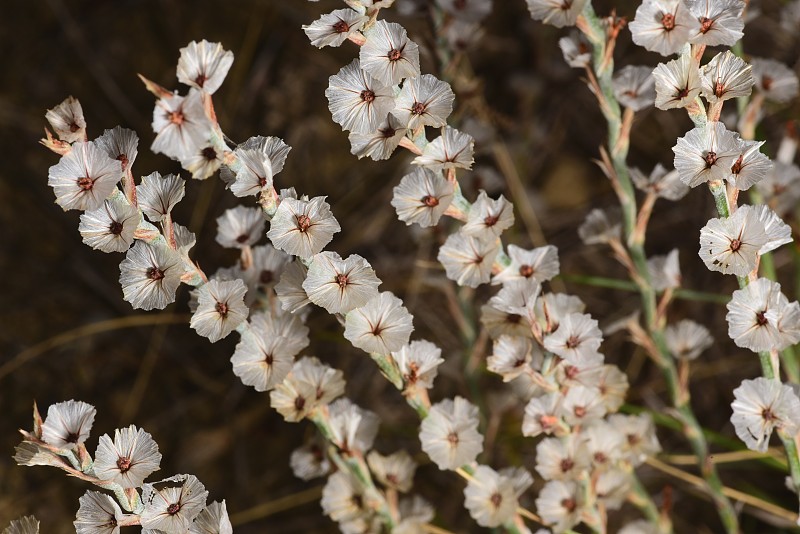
710, 158
569, 505
367, 95
600, 458
668, 21
303, 223
513, 318
341, 27
85, 183
73, 127
299, 403
526, 271
430, 201
123, 464
418, 108
342, 280
735, 245
387, 133
176, 117
736, 168
201, 79
491, 220
767, 414
705, 24
154, 273
566, 464
573, 342
683, 93
579, 411
570, 371
242, 238
496, 499
394, 54
761, 318
452, 437
719, 89
174, 508
124, 160
222, 308
766, 82
115, 227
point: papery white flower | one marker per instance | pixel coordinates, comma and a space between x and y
110, 227
150, 275
613, 487
663, 26
212, 520
449, 434
540, 264
302, 227
677, 83
353, 429
759, 407
332, 29
553, 307
23, 525
560, 504
172, 504
490, 497
726, 76
157, 194
388, 54
721, 21
613, 387
240, 227
451, 150
706, 153
220, 309
576, 340
577, 50
381, 143
181, 125
68, 424
98, 514
750, 167
781, 187
754, 315
424, 100
687, 339
84, 178
778, 232
309, 384
340, 285
273, 148
266, 269
640, 436
310, 461
265, 354
422, 197
542, 415
603, 445
129, 459
418, 363
778, 82
67, 120
732, 245
634, 87
393, 471
204, 161
664, 271
599, 227
511, 357
381, 326
357, 101
582, 405
665, 184
120, 144
562, 458
558, 13
488, 217
290, 290
204, 65
344, 501
467, 259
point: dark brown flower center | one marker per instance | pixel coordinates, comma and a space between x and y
73, 127
367, 95
341, 27
526, 271
761, 318
268, 359
303, 223
566, 464
735, 245
154, 273
600, 458
243, 238
174, 508
209, 153
299, 403
430, 201
85, 183
569, 505
72, 437
496, 499
668, 21
394, 54
222, 308
418, 108
710, 159
683, 93
123, 464
387, 133
342, 280
573, 342
736, 168
266, 276
201, 79
767, 414
513, 318
115, 227
766, 82
719, 89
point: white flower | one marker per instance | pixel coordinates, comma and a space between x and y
540, 263
220, 309
634, 87
110, 227
344, 501
577, 50
358, 102
576, 340
273, 148
706, 153
212, 520
98, 514
340, 285
732, 245
726, 76
511, 356
309, 384
67, 120
468, 260
598, 228
265, 270
759, 407
332, 29
778, 232
559, 13
677, 83
489, 217
204, 161
157, 195
583, 405
290, 290
562, 458
687, 339
451, 150
173, 505
422, 197
754, 316
559, 503
664, 184
181, 125
388, 54
129, 459
778, 82
418, 363
613, 387
542, 415
120, 144
663, 26
424, 100
353, 429
603, 445
721, 21
381, 326
310, 461
449, 434
302, 227
68, 424
393, 471
204, 65
750, 167
664, 271
490, 497
240, 227
640, 436
84, 177
150, 275
381, 143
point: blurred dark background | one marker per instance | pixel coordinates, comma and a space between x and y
514, 93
